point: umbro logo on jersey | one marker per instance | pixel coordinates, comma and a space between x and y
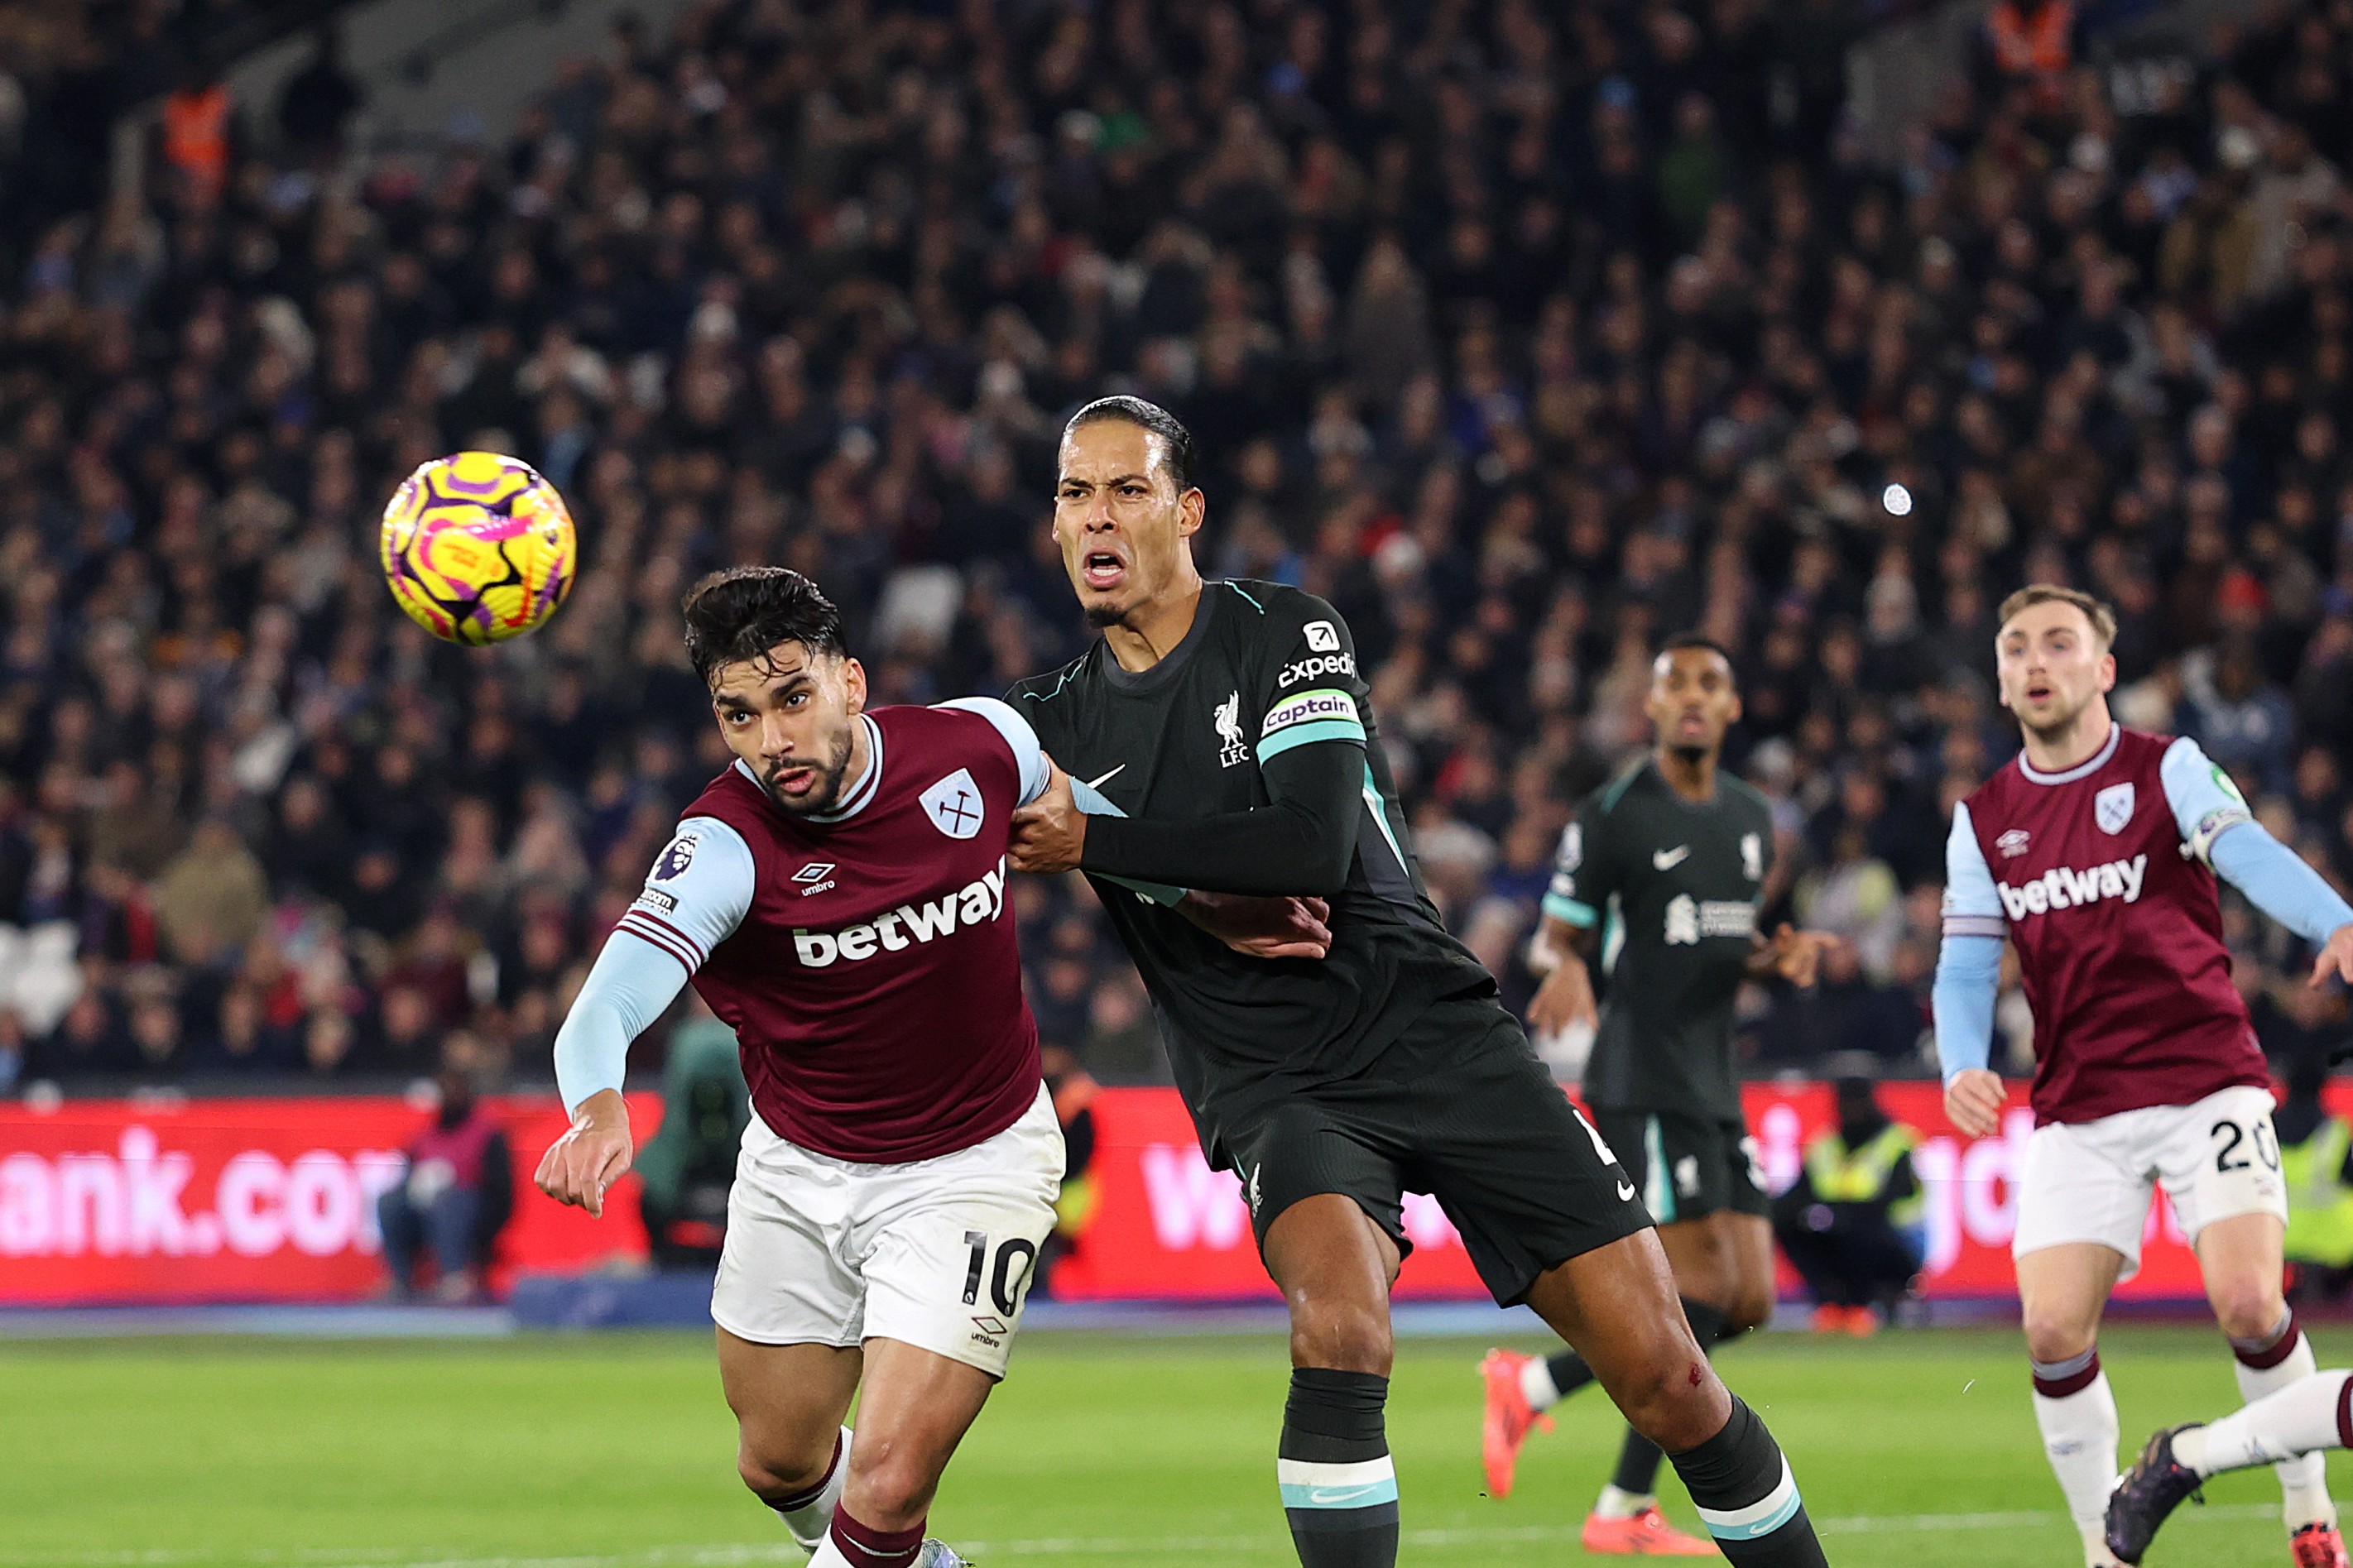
2062, 889
975, 904
815, 878
1668, 860
2013, 843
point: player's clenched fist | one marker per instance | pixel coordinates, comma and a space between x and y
1973, 1098
1049, 832
593, 1154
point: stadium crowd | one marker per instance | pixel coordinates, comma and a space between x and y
1525, 334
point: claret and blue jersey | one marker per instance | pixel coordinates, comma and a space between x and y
2103, 879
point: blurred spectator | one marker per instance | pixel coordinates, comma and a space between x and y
1526, 337
211, 899
2315, 1149
319, 100
1852, 1222
453, 1198
687, 1168
1074, 1094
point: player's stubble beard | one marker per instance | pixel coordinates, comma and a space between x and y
829, 791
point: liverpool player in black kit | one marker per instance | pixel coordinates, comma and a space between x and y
1227, 745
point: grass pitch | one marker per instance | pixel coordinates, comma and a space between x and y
615, 1452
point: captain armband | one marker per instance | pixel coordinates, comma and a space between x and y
2200, 846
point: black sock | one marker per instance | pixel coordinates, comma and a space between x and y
1570, 1373
1638, 1457
1339, 1491
1746, 1497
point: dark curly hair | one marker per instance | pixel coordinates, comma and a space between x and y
741, 613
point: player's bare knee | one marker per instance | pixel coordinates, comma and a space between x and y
1675, 1400
2052, 1336
2248, 1311
891, 1489
777, 1470
1341, 1336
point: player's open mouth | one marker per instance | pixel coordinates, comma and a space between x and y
2038, 693
1102, 569
793, 781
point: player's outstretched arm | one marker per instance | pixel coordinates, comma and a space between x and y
1300, 844
2217, 828
632, 984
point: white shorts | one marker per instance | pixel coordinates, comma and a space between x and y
2090, 1180
935, 1253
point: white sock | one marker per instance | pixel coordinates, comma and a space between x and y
1617, 1502
2304, 1419
829, 1555
1536, 1385
2304, 1479
811, 1521
2079, 1435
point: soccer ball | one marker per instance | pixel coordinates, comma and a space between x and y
478, 548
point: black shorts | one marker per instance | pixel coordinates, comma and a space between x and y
1490, 1136
1687, 1167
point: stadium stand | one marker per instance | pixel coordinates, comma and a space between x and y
1525, 334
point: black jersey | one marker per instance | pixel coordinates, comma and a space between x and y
1263, 669
1674, 885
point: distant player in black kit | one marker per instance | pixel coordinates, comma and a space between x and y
1228, 726
1661, 875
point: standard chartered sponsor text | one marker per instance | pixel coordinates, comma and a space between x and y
135, 1201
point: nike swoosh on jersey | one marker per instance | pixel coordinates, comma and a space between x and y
1668, 860
1098, 783
1625, 1192
1339, 1497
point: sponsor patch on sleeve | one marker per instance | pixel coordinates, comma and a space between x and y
655, 899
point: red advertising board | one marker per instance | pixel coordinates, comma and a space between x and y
248, 1200
273, 1200
1166, 1226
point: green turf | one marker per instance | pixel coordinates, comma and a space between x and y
614, 1452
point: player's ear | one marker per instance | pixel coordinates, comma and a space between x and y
2108, 672
853, 684
1192, 508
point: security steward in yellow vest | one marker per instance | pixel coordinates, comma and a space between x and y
1852, 1225
2316, 1159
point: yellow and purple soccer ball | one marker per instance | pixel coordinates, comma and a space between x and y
479, 548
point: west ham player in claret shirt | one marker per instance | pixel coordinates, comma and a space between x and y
2095, 855
838, 897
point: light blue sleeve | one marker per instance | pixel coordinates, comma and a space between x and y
1094, 803
1972, 902
696, 894
1968, 982
2208, 807
2206, 804
1969, 966
2277, 882
632, 984
1027, 754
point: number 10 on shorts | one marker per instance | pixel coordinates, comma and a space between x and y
1004, 1284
